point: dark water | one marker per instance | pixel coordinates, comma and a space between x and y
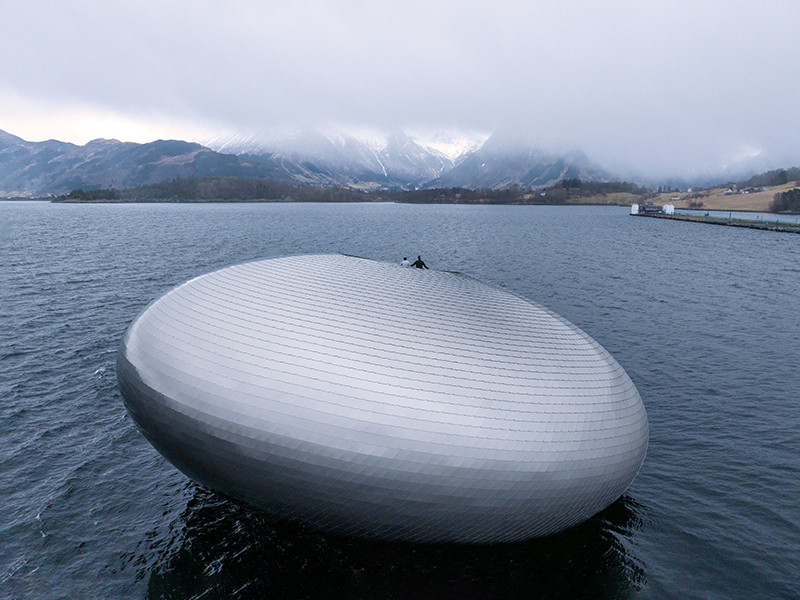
706, 321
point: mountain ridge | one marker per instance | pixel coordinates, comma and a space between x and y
504, 160
394, 160
53, 167
390, 161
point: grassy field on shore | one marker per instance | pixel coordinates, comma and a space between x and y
717, 200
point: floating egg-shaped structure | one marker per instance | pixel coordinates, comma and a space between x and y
364, 398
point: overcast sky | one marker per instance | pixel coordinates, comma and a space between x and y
651, 85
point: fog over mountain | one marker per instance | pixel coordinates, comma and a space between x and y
381, 161
506, 159
394, 161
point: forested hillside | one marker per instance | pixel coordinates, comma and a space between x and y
568, 191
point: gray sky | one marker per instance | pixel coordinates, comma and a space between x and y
651, 85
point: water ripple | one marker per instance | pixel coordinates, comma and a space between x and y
704, 320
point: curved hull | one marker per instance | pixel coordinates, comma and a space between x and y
366, 399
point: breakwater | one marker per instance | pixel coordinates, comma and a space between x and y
729, 222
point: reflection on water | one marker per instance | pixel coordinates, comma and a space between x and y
225, 550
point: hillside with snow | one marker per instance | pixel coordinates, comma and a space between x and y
360, 159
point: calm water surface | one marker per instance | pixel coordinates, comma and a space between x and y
704, 319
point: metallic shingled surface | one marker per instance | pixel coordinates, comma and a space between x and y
367, 399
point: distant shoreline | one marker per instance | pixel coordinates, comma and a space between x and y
571, 192
284, 201
588, 202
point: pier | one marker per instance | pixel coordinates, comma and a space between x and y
726, 221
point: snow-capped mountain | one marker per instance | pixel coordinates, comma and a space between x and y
505, 160
400, 160
363, 160
454, 145
367, 160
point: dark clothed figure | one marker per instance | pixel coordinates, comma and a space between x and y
419, 264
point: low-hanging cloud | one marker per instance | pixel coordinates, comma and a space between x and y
652, 87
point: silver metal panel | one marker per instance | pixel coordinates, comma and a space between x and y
364, 398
